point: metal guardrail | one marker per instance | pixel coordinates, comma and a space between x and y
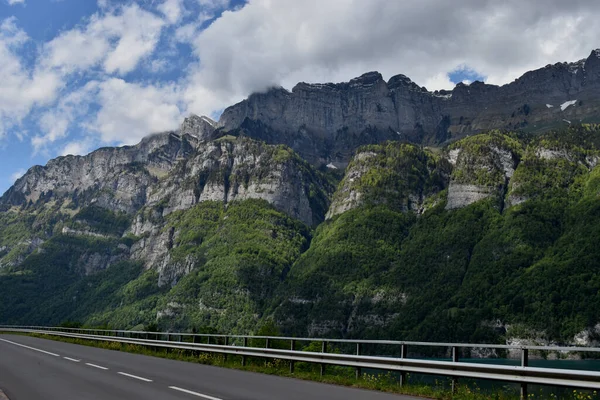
522, 374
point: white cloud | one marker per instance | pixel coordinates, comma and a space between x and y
20, 88
172, 10
187, 33
76, 49
56, 121
159, 65
13, 2
77, 148
16, 175
112, 111
438, 82
119, 39
139, 32
130, 111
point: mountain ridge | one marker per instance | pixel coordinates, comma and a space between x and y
231, 228
325, 122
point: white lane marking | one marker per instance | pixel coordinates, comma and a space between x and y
135, 377
193, 393
96, 366
71, 359
30, 348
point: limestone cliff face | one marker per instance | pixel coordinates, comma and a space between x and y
411, 179
325, 122
176, 171
483, 166
401, 176
232, 169
114, 178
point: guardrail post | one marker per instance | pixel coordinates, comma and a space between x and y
357, 370
244, 357
524, 363
323, 350
403, 354
168, 340
292, 348
266, 346
226, 344
454, 359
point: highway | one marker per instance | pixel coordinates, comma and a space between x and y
41, 369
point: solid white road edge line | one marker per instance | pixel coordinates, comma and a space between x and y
30, 348
71, 359
193, 393
96, 366
134, 377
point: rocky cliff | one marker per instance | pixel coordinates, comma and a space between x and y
325, 122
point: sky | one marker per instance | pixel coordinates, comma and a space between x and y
76, 75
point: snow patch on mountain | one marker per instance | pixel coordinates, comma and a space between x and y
567, 104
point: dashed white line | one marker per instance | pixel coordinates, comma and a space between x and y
135, 377
71, 359
96, 366
193, 393
30, 348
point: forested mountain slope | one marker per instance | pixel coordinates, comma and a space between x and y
274, 216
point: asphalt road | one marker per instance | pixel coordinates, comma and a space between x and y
40, 369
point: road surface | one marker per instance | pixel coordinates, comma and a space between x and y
41, 369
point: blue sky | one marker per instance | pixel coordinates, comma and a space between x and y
76, 75
38, 130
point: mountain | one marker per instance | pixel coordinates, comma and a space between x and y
227, 226
325, 122
493, 237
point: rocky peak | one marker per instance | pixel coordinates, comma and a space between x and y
366, 79
592, 66
402, 81
200, 127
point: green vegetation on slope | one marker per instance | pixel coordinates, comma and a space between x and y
526, 260
463, 274
237, 257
